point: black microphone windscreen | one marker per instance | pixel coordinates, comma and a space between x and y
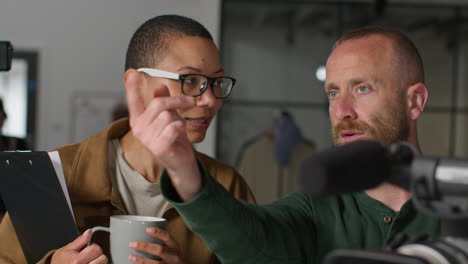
349, 168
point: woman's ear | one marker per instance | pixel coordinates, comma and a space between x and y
417, 97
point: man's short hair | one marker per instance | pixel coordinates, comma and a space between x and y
149, 43
409, 61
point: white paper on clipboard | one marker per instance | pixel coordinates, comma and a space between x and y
57, 163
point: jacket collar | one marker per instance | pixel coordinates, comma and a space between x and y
90, 169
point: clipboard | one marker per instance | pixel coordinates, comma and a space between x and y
36, 202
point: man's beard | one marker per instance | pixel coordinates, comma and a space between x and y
386, 128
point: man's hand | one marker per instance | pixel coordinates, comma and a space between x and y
162, 131
169, 252
77, 253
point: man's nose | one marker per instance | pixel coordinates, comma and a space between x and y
344, 108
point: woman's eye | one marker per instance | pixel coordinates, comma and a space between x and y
219, 83
363, 89
190, 80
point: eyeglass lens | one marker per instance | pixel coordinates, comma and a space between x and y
196, 84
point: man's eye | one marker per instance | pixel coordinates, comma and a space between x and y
363, 89
332, 94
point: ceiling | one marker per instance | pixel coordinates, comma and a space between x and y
328, 17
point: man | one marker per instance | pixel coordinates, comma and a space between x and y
376, 91
113, 173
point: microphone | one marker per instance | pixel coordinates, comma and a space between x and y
352, 167
439, 186
365, 164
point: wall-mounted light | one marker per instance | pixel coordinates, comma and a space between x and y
320, 73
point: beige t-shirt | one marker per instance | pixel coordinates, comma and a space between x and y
139, 196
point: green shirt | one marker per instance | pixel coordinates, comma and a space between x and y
294, 229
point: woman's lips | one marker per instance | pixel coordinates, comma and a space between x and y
199, 123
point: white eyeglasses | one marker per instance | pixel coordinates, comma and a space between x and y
194, 84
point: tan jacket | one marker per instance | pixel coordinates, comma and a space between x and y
94, 198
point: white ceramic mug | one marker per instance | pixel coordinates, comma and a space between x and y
126, 228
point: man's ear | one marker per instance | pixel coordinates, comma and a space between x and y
417, 96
